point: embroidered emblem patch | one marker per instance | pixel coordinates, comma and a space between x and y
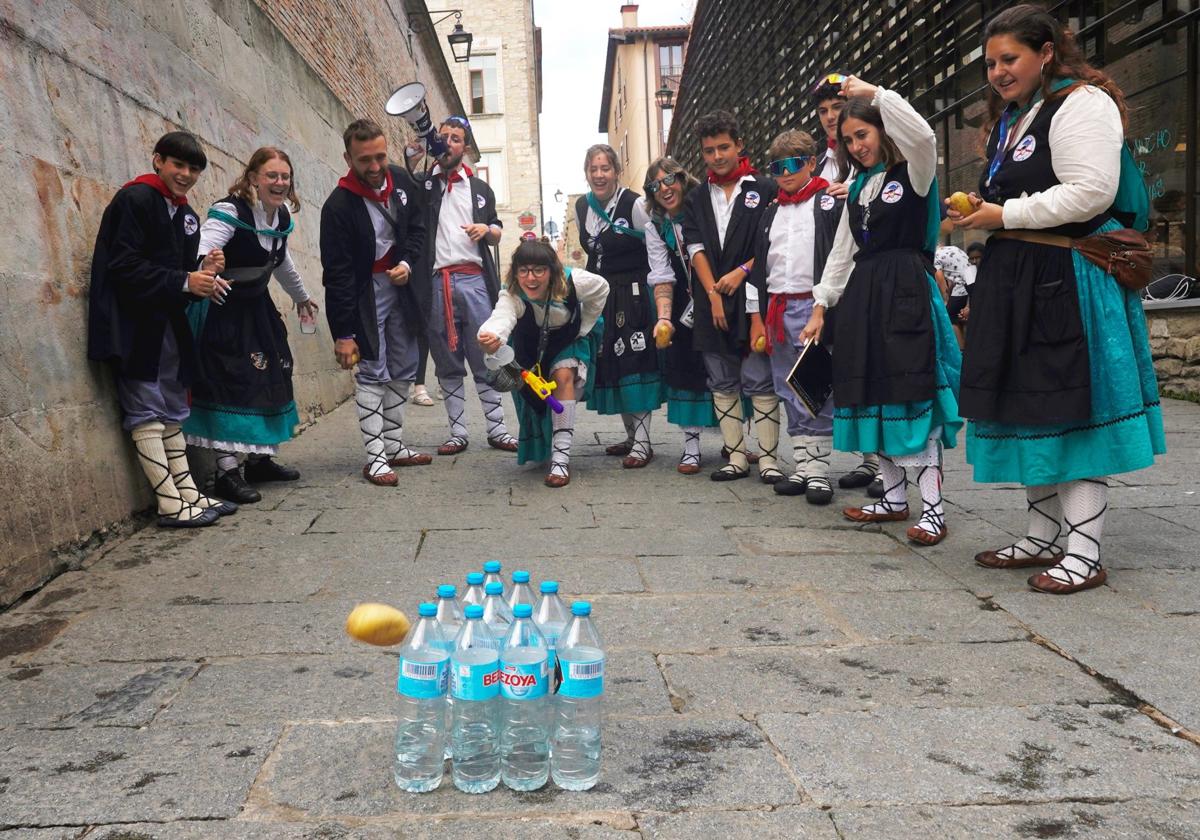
190, 224
1024, 149
620, 318
403, 197
429, 185
619, 347
827, 202
259, 360
624, 223
892, 192
637, 341
480, 201
752, 199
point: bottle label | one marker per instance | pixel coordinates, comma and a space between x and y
422, 680
480, 681
521, 681
582, 679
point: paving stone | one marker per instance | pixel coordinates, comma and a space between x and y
651, 764
516, 537
797, 542
780, 824
1168, 591
1164, 819
433, 516
89, 695
921, 616
876, 677
972, 756
426, 829
664, 623
101, 774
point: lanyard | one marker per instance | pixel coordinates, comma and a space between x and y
238, 223
594, 203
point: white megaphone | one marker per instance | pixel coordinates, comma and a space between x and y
409, 102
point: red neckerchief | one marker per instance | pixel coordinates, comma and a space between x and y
454, 177
152, 179
351, 182
740, 171
806, 192
831, 143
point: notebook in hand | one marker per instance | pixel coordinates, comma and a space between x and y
811, 378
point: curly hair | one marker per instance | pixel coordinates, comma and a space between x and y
242, 187
718, 122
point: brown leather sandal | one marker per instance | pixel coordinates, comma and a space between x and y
1043, 582
417, 459
387, 479
919, 535
623, 448
860, 515
632, 462
993, 560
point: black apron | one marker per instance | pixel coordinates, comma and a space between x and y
528, 337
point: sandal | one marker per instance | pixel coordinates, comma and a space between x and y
421, 397
453, 446
633, 462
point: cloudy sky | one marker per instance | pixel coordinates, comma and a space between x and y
574, 45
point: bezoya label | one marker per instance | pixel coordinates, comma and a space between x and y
479, 681
582, 679
423, 680
524, 681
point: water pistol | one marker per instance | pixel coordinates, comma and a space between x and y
542, 388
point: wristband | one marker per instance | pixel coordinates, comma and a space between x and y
743, 268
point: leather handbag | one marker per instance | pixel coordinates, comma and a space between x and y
1123, 253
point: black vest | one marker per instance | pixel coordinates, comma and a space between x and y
897, 218
611, 253
244, 250
1028, 167
527, 334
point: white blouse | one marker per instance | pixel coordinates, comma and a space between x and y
215, 233
918, 145
591, 289
660, 254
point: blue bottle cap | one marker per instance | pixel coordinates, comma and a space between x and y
492, 567
520, 576
475, 579
581, 608
447, 590
549, 586
494, 588
427, 610
475, 611
522, 610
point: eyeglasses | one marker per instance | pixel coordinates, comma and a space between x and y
536, 271
789, 165
274, 177
665, 181
830, 79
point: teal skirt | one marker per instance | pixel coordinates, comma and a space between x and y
690, 408
535, 429
232, 425
632, 394
905, 428
1125, 430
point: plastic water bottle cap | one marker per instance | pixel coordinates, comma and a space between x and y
475, 579
549, 586
447, 590
475, 611
427, 610
492, 567
494, 588
522, 610
520, 576
581, 608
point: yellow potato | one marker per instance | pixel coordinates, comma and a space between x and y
960, 203
761, 344
662, 336
377, 624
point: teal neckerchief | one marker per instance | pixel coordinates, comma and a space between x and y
860, 181
238, 223
667, 228
594, 203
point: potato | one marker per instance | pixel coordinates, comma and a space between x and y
760, 346
960, 203
377, 624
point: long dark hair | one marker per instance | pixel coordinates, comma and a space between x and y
531, 252
665, 166
1034, 27
861, 108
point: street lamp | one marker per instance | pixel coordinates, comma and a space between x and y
664, 97
460, 39
558, 196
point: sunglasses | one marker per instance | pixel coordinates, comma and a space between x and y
665, 181
462, 121
830, 79
788, 166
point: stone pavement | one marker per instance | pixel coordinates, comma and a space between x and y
775, 673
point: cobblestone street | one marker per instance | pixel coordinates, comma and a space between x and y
774, 671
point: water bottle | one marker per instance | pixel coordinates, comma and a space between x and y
450, 617
521, 592
551, 615
491, 572
524, 678
577, 714
421, 734
496, 614
475, 686
474, 593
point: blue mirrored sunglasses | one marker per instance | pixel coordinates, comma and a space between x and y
665, 181
788, 166
463, 121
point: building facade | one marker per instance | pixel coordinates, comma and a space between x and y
501, 90
641, 60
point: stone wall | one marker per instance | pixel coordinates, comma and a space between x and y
1175, 344
85, 89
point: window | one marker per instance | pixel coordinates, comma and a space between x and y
670, 61
485, 86
491, 169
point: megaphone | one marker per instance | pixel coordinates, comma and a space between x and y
409, 102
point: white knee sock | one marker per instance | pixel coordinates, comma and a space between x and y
639, 424
817, 452
493, 413
729, 414
395, 396
1045, 525
369, 399
1084, 503
455, 394
152, 455
895, 496
800, 459
564, 432
226, 462
691, 446
175, 448
870, 463
933, 516
766, 426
